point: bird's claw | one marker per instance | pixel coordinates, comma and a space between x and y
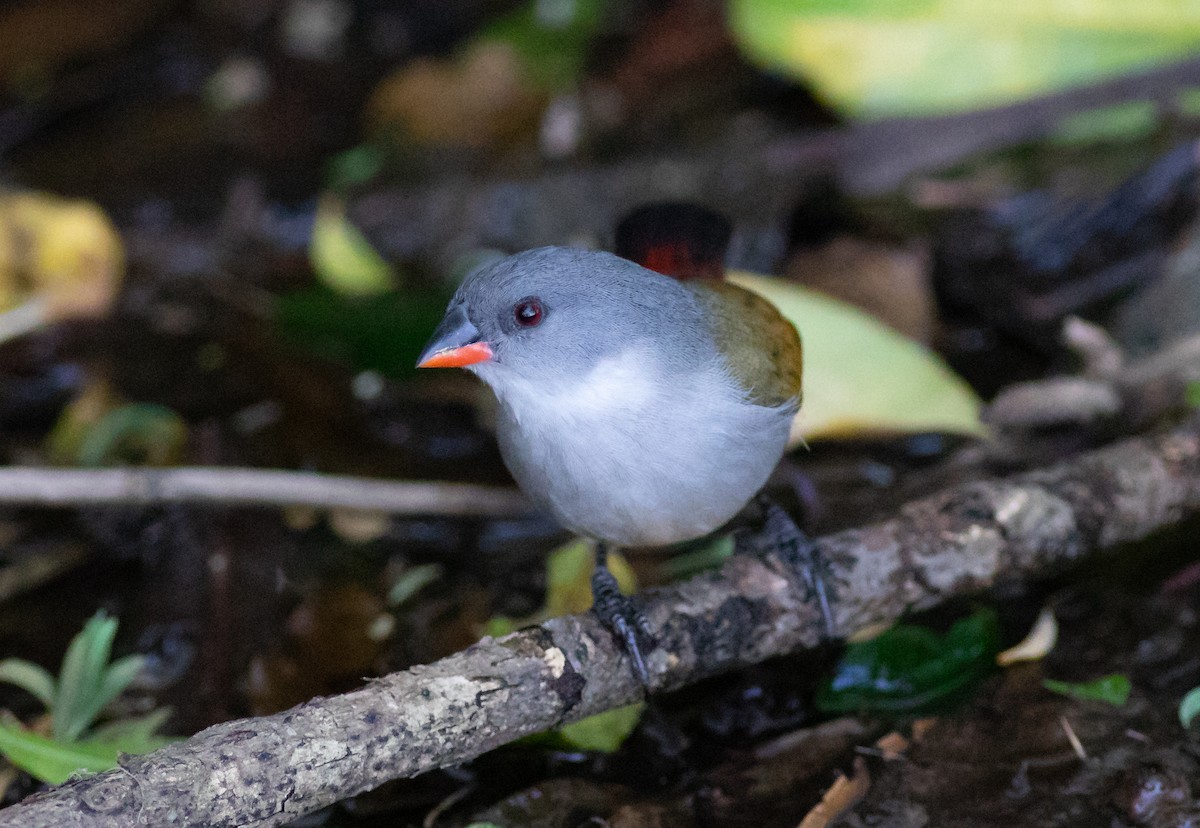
780, 532
624, 619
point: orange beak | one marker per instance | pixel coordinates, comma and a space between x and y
455, 344
459, 357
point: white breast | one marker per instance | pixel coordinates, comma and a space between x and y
635, 457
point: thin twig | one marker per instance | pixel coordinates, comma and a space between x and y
219, 486
267, 771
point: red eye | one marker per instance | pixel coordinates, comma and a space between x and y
528, 313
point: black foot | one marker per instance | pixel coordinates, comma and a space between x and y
780, 534
621, 616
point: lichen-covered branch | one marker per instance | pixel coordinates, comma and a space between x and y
265, 771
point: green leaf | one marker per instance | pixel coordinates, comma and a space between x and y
1113, 689
32, 678
412, 581
81, 677
1192, 394
116, 678
342, 257
356, 165
136, 734
569, 571
912, 668
142, 434
54, 761
878, 58
384, 333
862, 377
709, 556
1134, 120
552, 38
604, 732
1189, 707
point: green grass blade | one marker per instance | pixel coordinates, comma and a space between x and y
32, 678
115, 679
52, 761
81, 676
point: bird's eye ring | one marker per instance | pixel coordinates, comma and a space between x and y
528, 313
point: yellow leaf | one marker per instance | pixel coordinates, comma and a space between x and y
876, 58
569, 577
65, 255
341, 256
860, 376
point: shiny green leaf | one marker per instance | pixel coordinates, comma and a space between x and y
1113, 689
911, 668
878, 58
342, 257
1189, 708
862, 377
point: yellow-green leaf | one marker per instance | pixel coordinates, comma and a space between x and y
342, 257
1113, 689
605, 731
862, 377
67, 254
569, 577
875, 58
568, 585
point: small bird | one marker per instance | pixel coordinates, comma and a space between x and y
636, 409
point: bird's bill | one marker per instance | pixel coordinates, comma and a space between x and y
455, 344
459, 357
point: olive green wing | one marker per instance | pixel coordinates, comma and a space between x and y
761, 348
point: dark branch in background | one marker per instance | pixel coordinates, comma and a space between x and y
755, 176
266, 771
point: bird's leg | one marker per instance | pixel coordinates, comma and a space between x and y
780, 534
619, 614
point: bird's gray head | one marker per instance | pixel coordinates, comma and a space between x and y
550, 315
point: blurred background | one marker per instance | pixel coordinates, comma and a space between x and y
227, 228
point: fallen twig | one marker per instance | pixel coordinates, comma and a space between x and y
29, 486
267, 771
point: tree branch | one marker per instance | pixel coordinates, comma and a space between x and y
266, 771
754, 175
28, 486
